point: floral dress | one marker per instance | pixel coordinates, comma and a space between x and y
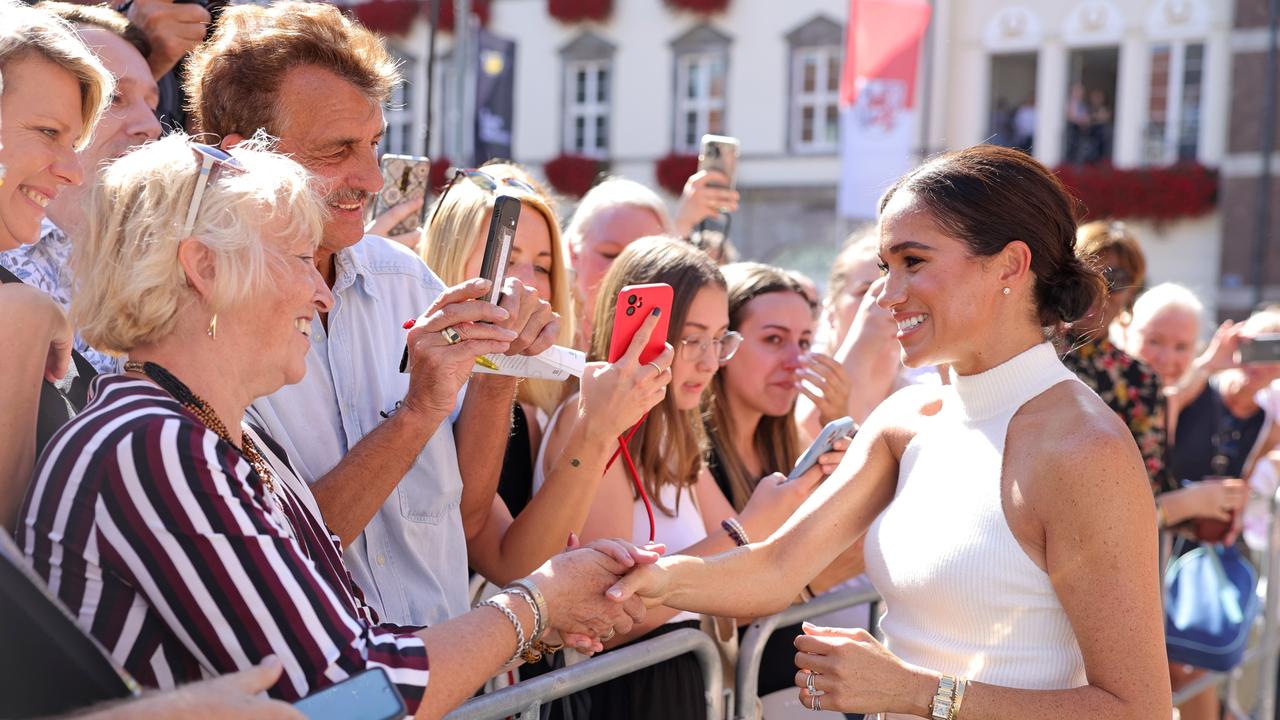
1130, 388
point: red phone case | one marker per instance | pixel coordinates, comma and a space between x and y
635, 302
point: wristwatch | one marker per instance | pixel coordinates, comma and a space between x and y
940, 708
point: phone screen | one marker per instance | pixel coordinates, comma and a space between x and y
367, 696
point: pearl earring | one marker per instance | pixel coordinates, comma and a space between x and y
1006, 291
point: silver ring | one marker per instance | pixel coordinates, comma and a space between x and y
817, 703
451, 336
808, 683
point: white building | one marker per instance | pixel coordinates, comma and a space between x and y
652, 79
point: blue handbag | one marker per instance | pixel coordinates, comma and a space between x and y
1210, 604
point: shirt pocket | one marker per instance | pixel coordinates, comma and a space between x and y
431, 491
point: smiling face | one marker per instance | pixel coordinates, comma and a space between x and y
692, 371
764, 374
942, 298
41, 111
333, 129
1166, 340
530, 258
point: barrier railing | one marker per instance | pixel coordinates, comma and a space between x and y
525, 698
751, 649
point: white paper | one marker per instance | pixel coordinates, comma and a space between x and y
554, 363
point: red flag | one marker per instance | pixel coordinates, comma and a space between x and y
883, 44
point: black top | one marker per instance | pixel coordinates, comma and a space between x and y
515, 484
1211, 441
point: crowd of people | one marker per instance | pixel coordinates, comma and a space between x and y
217, 465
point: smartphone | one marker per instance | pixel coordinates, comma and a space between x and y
497, 246
404, 178
1264, 348
843, 427
720, 152
366, 696
635, 302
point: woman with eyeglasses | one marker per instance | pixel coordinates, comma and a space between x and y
1126, 384
689, 511
56, 90
180, 536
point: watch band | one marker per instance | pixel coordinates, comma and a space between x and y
940, 708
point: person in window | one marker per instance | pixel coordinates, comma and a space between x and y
1099, 127
56, 91
1036, 593
1078, 123
1126, 384
189, 549
689, 511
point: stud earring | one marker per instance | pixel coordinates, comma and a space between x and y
1006, 291
213, 326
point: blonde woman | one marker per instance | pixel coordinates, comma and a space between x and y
57, 89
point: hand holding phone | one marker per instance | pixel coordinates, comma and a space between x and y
497, 244
1264, 348
835, 430
366, 696
635, 302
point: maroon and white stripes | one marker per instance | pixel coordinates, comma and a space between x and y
157, 537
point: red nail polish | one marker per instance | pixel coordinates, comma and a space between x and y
408, 324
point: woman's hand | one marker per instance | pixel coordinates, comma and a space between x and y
774, 499
616, 395
853, 672
830, 387
383, 224
235, 696
574, 584
706, 194
1220, 499
1220, 353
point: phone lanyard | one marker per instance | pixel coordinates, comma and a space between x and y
625, 452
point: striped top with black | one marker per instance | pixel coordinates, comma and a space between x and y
158, 537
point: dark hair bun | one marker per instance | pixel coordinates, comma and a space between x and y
1066, 295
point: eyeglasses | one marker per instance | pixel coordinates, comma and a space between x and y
1116, 278
211, 159
695, 348
484, 181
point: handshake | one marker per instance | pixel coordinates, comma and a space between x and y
576, 585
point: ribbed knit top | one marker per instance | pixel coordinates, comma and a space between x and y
961, 595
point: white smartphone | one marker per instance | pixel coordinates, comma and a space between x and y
843, 427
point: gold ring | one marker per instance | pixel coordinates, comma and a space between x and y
607, 638
655, 366
451, 336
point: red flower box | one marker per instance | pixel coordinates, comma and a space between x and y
673, 170
574, 174
479, 8
1159, 194
572, 11
704, 7
389, 17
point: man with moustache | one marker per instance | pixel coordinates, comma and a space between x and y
130, 121
411, 494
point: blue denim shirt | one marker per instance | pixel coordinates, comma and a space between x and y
411, 559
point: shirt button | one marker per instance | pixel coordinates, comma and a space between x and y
382, 560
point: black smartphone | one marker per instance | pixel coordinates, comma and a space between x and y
404, 178
366, 696
497, 245
1264, 348
839, 428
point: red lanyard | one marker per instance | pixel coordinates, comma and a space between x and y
623, 441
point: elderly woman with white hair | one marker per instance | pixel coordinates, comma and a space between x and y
180, 537
56, 91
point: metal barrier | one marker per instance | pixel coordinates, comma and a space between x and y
751, 650
525, 698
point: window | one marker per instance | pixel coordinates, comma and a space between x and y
587, 91
816, 49
586, 128
1173, 104
701, 79
399, 138
1012, 112
1091, 96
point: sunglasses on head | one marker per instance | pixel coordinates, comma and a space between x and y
482, 180
211, 160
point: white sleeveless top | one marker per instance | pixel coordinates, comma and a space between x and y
961, 595
678, 532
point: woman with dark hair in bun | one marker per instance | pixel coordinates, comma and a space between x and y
1008, 522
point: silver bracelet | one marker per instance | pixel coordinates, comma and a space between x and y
515, 625
540, 600
538, 627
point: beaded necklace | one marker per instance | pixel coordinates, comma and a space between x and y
201, 409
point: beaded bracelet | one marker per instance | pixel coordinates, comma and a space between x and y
736, 532
515, 624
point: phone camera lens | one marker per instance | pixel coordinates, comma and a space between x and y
631, 311
631, 299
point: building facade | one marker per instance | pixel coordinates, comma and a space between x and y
1125, 83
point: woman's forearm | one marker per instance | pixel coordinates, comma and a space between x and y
742, 582
990, 702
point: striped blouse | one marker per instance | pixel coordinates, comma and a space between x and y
159, 538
